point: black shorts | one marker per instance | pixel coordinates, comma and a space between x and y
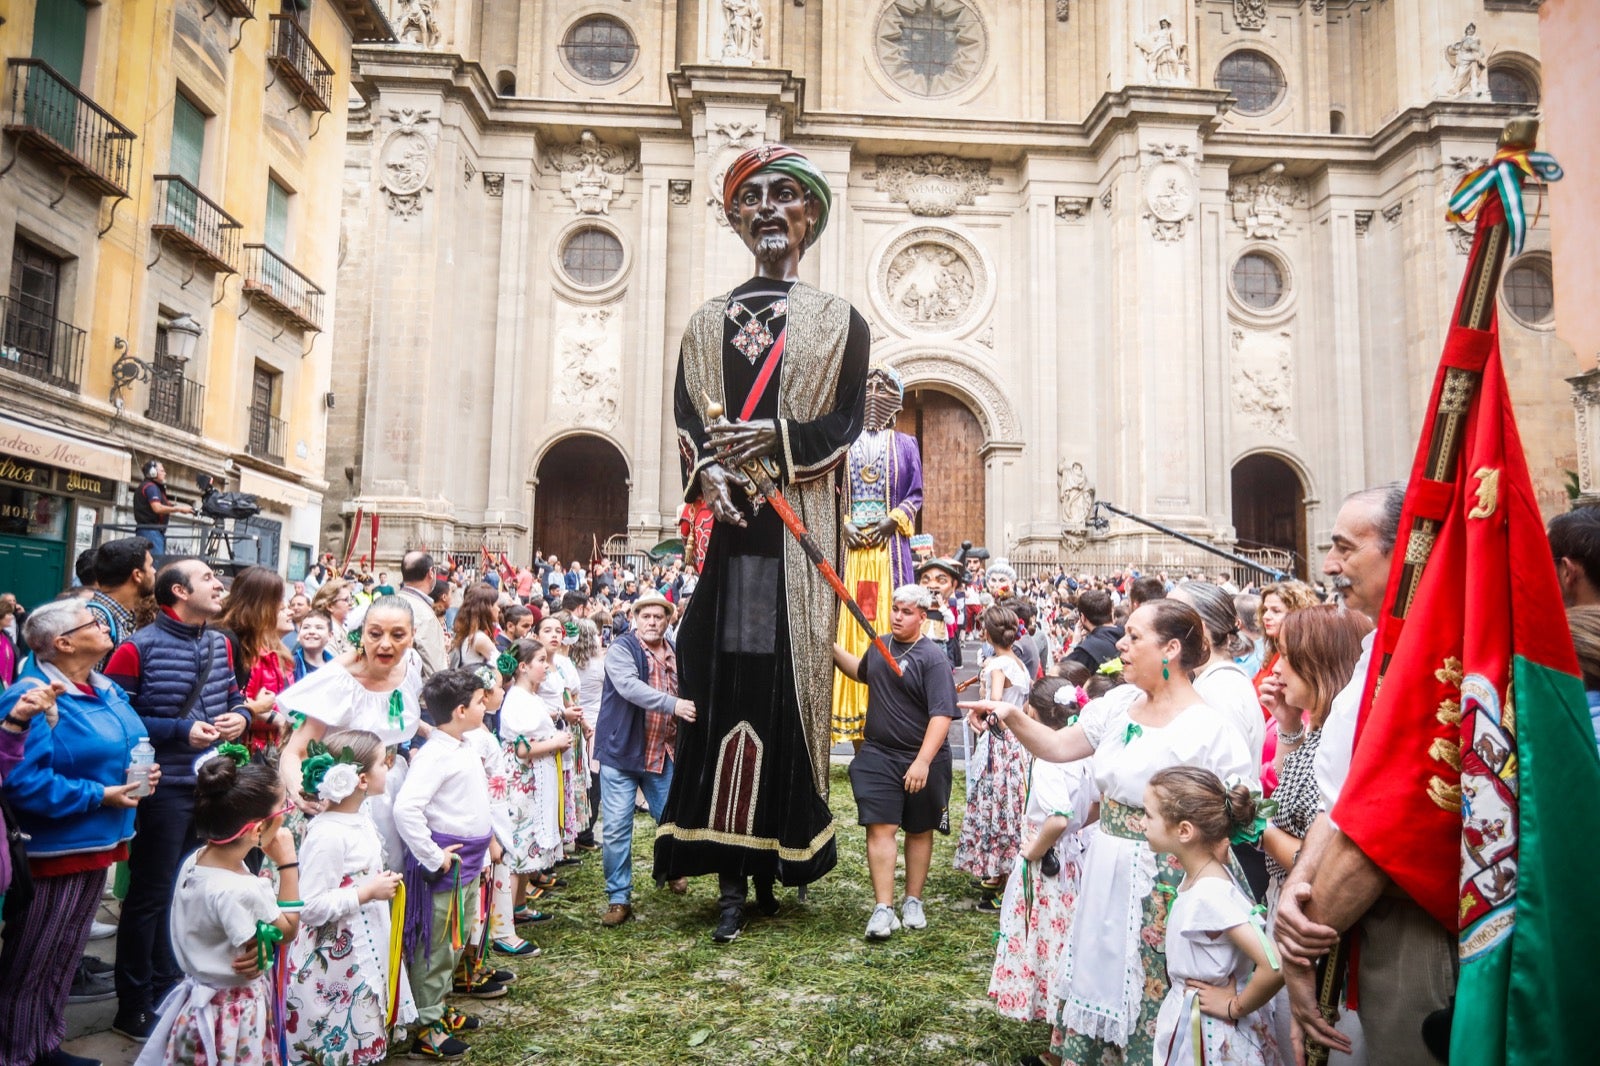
877, 777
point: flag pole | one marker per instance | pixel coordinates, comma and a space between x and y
1476, 312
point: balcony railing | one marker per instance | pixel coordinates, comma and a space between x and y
266, 436
50, 115
239, 9
41, 347
175, 400
188, 218
269, 277
299, 65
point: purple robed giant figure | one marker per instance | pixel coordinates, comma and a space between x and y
885, 483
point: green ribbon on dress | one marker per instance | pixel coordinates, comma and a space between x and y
1133, 730
268, 937
397, 710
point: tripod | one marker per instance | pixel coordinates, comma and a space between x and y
217, 538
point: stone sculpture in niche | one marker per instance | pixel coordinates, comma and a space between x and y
930, 284
1262, 380
406, 162
589, 372
414, 22
744, 31
1261, 202
932, 185
591, 173
1165, 58
1468, 63
1077, 496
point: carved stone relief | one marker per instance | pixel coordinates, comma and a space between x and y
1063, 10
414, 22
1263, 383
931, 48
932, 185
1250, 14
1466, 74
986, 338
932, 280
678, 190
1363, 222
405, 164
1166, 59
1460, 233
1391, 214
744, 32
726, 140
1105, 201
1169, 195
1262, 202
1072, 208
494, 183
591, 172
588, 365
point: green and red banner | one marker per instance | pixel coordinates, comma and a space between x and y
1475, 783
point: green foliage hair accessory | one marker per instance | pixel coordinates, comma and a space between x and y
354, 637
506, 663
315, 766
237, 752
569, 633
1111, 667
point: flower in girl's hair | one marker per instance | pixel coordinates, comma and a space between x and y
339, 783
1111, 667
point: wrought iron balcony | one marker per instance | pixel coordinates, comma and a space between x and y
176, 401
50, 115
186, 217
239, 9
299, 65
41, 347
269, 278
266, 435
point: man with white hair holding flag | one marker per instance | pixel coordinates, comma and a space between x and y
901, 775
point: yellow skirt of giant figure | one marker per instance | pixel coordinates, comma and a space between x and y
866, 575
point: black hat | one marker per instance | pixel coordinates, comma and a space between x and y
949, 566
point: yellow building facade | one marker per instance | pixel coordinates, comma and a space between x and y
170, 181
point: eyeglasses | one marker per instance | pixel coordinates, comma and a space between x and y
101, 622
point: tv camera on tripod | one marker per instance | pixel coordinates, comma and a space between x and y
221, 507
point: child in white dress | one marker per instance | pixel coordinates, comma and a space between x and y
1042, 891
558, 633
342, 994
530, 741
220, 910
997, 772
1223, 972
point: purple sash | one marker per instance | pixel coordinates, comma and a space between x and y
423, 884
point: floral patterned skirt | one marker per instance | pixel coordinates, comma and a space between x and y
991, 829
204, 1026
1031, 939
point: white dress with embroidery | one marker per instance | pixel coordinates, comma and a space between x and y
1103, 978
532, 799
561, 685
1198, 948
337, 1002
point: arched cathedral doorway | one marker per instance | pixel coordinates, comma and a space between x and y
1269, 507
581, 497
951, 439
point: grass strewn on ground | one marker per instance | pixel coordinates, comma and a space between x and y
803, 987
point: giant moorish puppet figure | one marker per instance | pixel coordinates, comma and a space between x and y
789, 366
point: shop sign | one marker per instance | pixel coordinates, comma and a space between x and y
42, 478
28, 475
32, 444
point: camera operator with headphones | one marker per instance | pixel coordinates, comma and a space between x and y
151, 507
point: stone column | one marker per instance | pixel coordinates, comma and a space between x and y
508, 464
1586, 411
652, 372
1043, 327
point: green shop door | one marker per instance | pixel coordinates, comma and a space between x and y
35, 570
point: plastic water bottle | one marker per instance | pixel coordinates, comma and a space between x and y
141, 762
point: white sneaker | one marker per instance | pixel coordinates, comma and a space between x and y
101, 930
911, 915
882, 923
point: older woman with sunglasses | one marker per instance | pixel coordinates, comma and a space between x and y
72, 796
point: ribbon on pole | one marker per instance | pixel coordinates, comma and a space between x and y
1504, 174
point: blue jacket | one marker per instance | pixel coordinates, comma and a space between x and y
157, 667
65, 771
625, 699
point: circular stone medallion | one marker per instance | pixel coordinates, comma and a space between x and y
930, 48
932, 280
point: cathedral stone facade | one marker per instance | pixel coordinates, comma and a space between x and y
1185, 256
